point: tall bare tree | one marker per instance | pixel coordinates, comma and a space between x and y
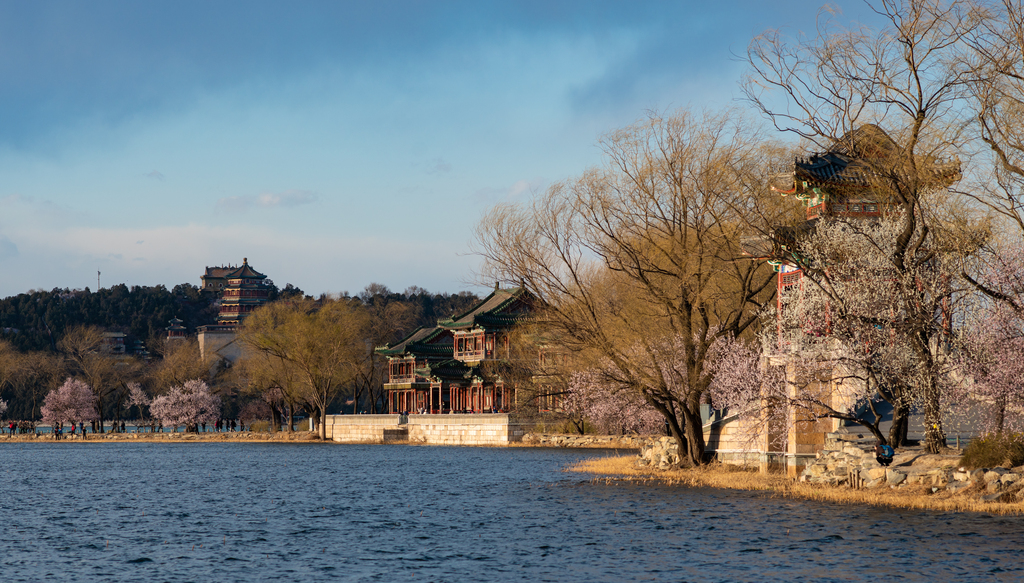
638, 264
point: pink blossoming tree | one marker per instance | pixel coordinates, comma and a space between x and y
189, 405
137, 397
72, 401
612, 408
991, 344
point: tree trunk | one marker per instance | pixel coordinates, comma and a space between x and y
694, 435
900, 421
935, 437
322, 430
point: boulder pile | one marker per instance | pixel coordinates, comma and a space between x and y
853, 464
597, 441
660, 453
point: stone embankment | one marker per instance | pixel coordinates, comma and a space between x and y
584, 441
853, 463
659, 453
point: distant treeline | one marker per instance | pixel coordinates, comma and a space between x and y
38, 319
46, 337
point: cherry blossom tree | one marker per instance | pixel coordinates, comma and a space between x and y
189, 404
137, 397
992, 341
832, 383
880, 309
72, 401
613, 409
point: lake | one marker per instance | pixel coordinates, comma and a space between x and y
308, 512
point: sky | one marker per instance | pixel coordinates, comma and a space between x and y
333, 144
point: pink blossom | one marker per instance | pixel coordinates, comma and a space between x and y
73, 401
188, 405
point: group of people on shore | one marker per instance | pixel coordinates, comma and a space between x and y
12, 428
16, 427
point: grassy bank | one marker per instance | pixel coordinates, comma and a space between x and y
612, 469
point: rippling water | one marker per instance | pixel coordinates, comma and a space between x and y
302, 512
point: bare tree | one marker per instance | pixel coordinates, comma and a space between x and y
324, 340
639, 263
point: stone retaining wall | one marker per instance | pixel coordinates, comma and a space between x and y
479, 429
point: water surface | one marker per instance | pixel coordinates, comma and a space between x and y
303, 512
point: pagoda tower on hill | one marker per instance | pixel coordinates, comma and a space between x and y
245, 290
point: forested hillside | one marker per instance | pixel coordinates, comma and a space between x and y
38, 319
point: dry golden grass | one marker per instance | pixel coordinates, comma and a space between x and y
737, 478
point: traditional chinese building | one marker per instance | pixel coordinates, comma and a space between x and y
456, 365
176, 330
215, 279
246, 289
842, 181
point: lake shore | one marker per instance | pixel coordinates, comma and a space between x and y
918, 497
210, 436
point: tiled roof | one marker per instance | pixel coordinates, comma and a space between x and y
245, 272
489, 310
855, 160
422, 341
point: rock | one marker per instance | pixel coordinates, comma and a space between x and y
961, 476
815, 470
978, 474
854, 451
842, 471
894, 477
991, 497
955, 487
994, 486
876, 473
1009, 478
995, 474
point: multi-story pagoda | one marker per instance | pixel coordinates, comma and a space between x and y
453, 366
246, 290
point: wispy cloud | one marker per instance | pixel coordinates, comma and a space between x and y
156, 175
438, 166
288, 198
518, 190
7, 248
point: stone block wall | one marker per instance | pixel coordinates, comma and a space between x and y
483, 429
359, 428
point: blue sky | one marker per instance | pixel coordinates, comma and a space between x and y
334, 144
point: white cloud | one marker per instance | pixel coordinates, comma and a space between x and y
288, 198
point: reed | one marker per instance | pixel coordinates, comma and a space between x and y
624, 468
